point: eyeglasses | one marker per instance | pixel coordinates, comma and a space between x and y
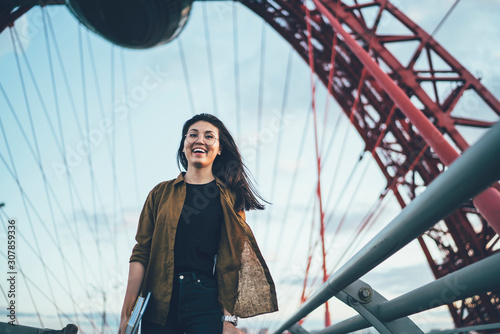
209, 139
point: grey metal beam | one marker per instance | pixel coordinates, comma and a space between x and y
475, 279
6, 328
467, 329
476, 169
366, 301
346, 326
297, 329
479, 277
367, 305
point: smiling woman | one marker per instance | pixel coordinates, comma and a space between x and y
192, 233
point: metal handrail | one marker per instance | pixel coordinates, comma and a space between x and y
475, 170
463, 283
467, 329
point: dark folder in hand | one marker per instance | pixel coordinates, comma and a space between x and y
137, 313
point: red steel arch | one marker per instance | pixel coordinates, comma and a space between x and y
399, 149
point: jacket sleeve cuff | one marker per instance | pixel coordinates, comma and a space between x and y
140, 254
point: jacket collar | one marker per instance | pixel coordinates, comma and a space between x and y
180, 178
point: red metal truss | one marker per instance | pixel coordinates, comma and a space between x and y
462, 238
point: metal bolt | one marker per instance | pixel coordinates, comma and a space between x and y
365, 294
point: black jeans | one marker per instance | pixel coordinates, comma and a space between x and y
194, 307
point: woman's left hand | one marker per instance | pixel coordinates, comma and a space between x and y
228, 328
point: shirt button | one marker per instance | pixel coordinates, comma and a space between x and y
181, 277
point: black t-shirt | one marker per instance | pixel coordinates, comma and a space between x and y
198, 230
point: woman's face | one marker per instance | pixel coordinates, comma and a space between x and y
199, 134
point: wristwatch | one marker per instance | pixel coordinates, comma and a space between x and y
230, 318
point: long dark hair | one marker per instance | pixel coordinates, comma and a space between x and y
227, 166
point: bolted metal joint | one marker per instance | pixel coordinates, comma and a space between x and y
365, 295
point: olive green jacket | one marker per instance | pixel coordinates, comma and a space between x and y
246, 287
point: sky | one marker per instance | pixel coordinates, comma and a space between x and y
116, 115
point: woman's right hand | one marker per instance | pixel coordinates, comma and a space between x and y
229, 328
135, 276
123, 324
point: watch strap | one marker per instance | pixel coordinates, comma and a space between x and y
230, 318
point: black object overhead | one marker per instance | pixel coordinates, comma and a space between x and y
133, 23
6, 328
